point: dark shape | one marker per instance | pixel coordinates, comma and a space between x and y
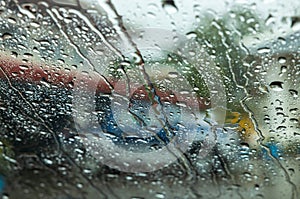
295, 20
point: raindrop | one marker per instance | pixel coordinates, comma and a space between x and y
267, 120
6, 36
292, 170
79, 185
244, 151
12, 20
295, 23
35, 24
169, 6
263, 50
294, 120
160, 195
283, 69
279, 109
270, 20
294, 110
191, 35
47, 161
282, 40
14, 54
29, 6
23, 67
294, 93
5, 196
192, 53
276, 86
173, 74
28, 55
151, 14
282, 60
281, 128
59, 184
44, 82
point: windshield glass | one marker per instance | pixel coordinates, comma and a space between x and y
149, 99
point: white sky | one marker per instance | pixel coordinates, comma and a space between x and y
142, 13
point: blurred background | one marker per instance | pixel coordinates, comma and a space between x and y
149, 99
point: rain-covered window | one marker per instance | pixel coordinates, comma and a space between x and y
149, 99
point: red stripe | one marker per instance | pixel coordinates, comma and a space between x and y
16, 70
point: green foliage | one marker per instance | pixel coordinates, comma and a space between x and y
221, 36
172, 60
5, 151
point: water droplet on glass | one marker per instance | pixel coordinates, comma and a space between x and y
79, 185
5, 196
6, 36
29, 6
281, 128
294, 110
294, 120
160, 195
191, 35
294, 93
270, 20
169, 6
173, 74
263, 50
295, 25
276, 86
12, 20
282, 40
283, 69
151, 14
282, 60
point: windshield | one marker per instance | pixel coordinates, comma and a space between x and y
149, 99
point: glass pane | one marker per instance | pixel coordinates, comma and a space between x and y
149, 99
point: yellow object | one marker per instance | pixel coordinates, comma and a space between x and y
245, 127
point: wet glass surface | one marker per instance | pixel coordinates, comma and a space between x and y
149, 99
